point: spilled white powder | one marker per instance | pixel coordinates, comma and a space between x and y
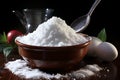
93, 68
19, 67
53, 32
87, 71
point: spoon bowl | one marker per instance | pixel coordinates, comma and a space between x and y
82, 22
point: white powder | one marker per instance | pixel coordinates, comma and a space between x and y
87, 71
19, 67
94, 68
53, 32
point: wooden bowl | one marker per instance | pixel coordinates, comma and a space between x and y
53, 58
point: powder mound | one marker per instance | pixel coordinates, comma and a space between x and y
53, 32
22, 70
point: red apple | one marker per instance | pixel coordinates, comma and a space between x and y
11, 35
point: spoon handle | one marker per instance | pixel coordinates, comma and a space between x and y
93, 7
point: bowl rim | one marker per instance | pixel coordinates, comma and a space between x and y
37, 47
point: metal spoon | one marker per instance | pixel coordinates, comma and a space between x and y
82, 22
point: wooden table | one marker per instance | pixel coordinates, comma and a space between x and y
111, 71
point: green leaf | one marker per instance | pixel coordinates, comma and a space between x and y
3, 38
102, 35
7, 51
2, 46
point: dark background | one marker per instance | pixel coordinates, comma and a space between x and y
104, 16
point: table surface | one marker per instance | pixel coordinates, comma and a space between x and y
111, 70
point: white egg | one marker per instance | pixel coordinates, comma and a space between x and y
92, 47
107, 51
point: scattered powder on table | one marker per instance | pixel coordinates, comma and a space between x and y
53, 32
19, 67
86, 71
